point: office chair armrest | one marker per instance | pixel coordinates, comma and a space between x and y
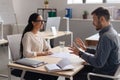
101, 75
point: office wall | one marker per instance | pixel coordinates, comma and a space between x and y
77, 8
80, 28
23, 8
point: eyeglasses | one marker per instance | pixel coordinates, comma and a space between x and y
42, 21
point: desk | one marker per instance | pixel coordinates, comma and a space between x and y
3, 41
76, 62
93, 40
48, 35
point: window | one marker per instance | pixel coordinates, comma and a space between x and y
113, 1
92, 1
74, 1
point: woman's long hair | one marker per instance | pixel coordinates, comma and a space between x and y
28, 28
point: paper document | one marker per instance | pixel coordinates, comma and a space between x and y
62, 55
63, 64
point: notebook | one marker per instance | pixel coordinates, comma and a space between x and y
30, 62
62, 65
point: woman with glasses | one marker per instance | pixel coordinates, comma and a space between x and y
32, 45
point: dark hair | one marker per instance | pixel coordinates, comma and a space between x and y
99, 12
29, 27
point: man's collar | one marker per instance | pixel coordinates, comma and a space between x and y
105, 29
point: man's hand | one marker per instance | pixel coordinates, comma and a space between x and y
81, 44
74, 50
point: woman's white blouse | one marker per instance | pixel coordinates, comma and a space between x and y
33, 44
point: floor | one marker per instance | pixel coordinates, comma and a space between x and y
4, 62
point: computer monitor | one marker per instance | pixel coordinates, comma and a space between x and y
52, 22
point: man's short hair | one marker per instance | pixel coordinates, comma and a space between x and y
99, 12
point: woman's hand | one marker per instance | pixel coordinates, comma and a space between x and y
44, 53
81, 44
47, 53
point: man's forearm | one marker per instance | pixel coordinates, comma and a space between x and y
91, 51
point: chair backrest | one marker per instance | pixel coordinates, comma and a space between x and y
14, 46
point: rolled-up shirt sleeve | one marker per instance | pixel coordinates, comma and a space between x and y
92, 51
102, 53
27, 52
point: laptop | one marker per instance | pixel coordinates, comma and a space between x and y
53, 22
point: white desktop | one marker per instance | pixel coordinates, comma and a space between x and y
53, 22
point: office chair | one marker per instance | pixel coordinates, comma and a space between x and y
115, 77
14, 49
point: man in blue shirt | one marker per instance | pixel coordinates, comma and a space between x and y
106, 58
